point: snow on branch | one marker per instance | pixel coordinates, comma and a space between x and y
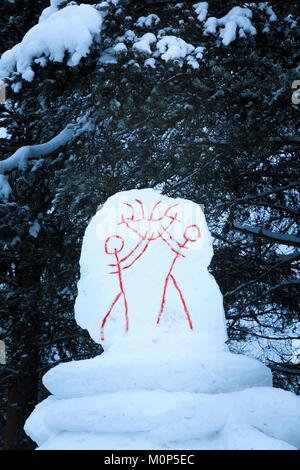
271, 237
201, 10
20, 158
69, 31
237, 20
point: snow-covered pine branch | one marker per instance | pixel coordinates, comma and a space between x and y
271, 237
250, 197
20, 158
69, 31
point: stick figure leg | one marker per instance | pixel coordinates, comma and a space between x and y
107, 315
182, 301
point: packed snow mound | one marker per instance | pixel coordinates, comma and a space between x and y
166, 379
257, 418
207, 372
144, 273
69, 32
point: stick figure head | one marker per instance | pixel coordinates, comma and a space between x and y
114, 244
192, 233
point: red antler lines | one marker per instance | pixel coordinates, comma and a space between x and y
157, 227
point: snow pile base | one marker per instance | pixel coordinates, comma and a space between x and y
166, 379
69, 32
257, 418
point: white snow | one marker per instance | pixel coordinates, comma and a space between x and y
173, 48
168, 48
199, 52
34, 229
192, 62
3, 133
166, 379
238, 19
201, 9
150, 63
5, 188
209, 371
120, 48
147, 21
129, 36
143, 45
257, 418
69, 32
54, 4
269, 10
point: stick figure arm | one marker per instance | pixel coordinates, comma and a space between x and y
128, 254
141, 245
167, 238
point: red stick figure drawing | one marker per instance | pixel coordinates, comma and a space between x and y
191, 235
141, 224
148, 228
113, 246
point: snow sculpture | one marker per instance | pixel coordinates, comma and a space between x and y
166, 379
141, 253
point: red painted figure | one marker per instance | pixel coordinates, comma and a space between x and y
114, 244
133, 221
191, 234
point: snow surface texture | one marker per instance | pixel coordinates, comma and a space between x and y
69, 32
166, 379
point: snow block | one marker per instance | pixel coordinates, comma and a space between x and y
166, 379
